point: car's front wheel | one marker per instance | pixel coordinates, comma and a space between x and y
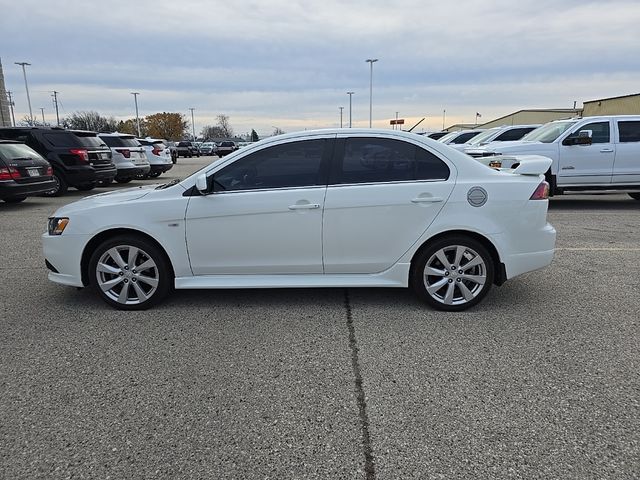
130, 273
15, 199
453, 273
60, 187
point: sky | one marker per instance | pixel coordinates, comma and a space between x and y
289, 63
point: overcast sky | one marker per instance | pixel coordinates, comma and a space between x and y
289, 63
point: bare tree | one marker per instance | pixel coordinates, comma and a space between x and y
225, 126
277, 131
92, 121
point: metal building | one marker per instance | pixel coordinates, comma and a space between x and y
5, 112
624, 105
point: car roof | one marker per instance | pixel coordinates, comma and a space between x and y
10, 141
116, 134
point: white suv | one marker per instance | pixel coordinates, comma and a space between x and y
505, 133
158, 155
128, 156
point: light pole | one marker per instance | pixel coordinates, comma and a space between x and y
371, 61
135, 98
350, 96
193, 125
26, 86
341, 108
42, 110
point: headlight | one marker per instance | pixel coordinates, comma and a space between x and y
57, 225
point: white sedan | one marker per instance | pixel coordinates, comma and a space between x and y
326, 208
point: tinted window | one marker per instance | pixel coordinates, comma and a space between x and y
372, 160
89, 140
513, 134
62, 139
120, 141
296, 164
464, 138
16, 151
599, 131
629, 131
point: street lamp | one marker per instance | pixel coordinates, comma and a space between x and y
371, 61
341, 108
24, 73
350, 95
193, 125
135, 98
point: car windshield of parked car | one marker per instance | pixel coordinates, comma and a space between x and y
549, 132
16, 152
483, 136
121, 141
448, 137
62, 139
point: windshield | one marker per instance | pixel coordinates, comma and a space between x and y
484, 136
116, 141
549, 132
448, 137
89, 139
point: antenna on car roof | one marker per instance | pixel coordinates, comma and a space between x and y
416, 124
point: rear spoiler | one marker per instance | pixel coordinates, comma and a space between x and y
518, 164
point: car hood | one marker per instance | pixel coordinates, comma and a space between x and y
107, 198
506, 147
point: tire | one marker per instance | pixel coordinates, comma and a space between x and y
60, 188
155, 174
452, 287
113, 273
635, 196
86, 187
14, 199
124, 180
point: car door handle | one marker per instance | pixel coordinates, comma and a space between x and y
606, 150
304, 206
568, 168
426, 200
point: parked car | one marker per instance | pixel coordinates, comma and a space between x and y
459, 137
590, 154
78, 158
188, 149
326, 208
437, 135
208, 148
128, 156
173, 148
158, 156
225, 148
505, 133
23, 172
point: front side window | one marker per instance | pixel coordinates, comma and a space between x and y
598, 131
295, 164
629, 131
374, 160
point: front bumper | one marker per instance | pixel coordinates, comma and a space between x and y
64, 254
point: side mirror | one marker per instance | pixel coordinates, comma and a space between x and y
577, 139
201, 184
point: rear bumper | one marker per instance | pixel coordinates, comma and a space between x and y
165, 167
11, 189
518, 263
133, 172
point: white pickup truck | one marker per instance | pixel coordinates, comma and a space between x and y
589, 154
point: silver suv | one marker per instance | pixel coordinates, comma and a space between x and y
128, 156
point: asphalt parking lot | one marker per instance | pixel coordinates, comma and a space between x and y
541, 380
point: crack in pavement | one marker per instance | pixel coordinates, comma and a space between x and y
369, 465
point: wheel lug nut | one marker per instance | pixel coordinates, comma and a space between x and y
121, 273
453, 267
126, 281
458, 279
133, 271
446, 274
459, 271
134, 280
450, 280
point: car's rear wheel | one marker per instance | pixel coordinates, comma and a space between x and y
453, 273
60, 187
635, 196
154, 174
130, 273
124, 180
86, 187
15, 199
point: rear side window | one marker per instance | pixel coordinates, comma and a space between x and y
374, 160
121, 141
62, 139
629, 131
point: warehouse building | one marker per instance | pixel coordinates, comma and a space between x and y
624, 105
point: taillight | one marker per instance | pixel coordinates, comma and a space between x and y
83, 154
10, 173
156, 151
541, 192
125, 152
49, 172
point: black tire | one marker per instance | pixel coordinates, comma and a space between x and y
155, 174
124, 180
14, 199
86, 187
104, 183
130, 292
60, 188
453, 289
635, 196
